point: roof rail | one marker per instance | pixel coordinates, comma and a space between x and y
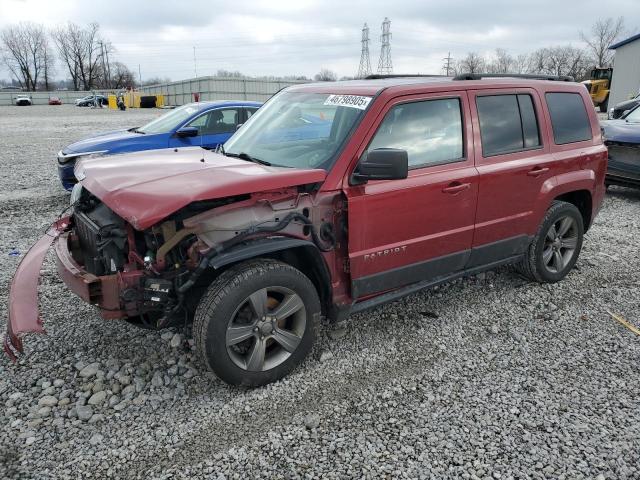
480, 76
377, 76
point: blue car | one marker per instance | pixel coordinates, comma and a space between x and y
622, 138
206, 124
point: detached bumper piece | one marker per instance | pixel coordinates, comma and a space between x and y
24, 316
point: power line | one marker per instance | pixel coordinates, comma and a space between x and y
365, 63
385, 67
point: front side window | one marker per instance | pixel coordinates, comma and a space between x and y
430, 131
507, 124
216, 121
569, 118
299, 129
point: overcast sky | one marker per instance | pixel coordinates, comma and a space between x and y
287, 37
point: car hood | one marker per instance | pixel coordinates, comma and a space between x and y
146, 187
108, 141
621, 131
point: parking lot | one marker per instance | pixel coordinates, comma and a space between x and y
486, 377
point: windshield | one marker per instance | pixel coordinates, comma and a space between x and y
301, 130
633, 116
169, 121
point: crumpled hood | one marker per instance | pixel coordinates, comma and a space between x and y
118, 139
145, 187
621, 131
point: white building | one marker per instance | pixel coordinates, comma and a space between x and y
625, 82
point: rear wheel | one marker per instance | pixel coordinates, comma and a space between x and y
256, 322
555, 248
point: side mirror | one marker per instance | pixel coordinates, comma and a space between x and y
185, 132
382, 164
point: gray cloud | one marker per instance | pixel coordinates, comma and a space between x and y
299, 37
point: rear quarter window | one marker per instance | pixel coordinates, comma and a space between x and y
569, 118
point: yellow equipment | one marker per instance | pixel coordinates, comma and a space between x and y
598, 85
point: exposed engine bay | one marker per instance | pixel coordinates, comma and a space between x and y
155, 268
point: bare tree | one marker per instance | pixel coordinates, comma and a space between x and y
122, 76
49, 65
24, 52
560, 60
325, 75
81, 51
502, 63
602, 35
521, 63
472, 63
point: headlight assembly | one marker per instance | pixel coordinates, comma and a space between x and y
76, 192
62, 158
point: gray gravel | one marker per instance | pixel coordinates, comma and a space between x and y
487, 377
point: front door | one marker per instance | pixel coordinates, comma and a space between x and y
418, 228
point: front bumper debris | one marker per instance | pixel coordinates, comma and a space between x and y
24, 316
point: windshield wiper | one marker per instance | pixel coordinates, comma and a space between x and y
249, 158
137, 130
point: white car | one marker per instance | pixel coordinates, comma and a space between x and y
23, 100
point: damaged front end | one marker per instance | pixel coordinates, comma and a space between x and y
23, 297
144, 276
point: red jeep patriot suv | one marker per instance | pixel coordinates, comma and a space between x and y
332, 198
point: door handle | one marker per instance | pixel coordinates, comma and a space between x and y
456, 187
537, 171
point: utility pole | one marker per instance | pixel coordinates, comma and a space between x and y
365, 63
385, 67
140, 74
195, 65
447, 67
104, 67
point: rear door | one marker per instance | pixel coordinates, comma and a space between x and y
418, 228
513, 159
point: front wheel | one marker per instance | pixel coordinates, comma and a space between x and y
556, 246
256, 322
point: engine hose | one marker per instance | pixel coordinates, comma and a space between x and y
204, 262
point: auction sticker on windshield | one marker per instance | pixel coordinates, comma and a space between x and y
353, 101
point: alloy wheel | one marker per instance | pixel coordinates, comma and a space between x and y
560, 244
266, 329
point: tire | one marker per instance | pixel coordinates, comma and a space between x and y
542, 262
229, 330
604, 105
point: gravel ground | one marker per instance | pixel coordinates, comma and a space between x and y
487, 377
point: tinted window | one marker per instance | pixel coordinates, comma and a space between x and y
430, 131
507, 124
216, 121
568, 118
530, 132
251, 111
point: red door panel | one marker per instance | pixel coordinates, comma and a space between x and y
510, 184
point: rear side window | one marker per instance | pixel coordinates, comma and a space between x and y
507, 124
569, 118
430, 131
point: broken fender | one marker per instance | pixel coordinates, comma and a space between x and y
24, 316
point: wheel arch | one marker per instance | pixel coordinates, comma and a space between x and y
583, 202
300, 254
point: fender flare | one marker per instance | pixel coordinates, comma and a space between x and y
257, 248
